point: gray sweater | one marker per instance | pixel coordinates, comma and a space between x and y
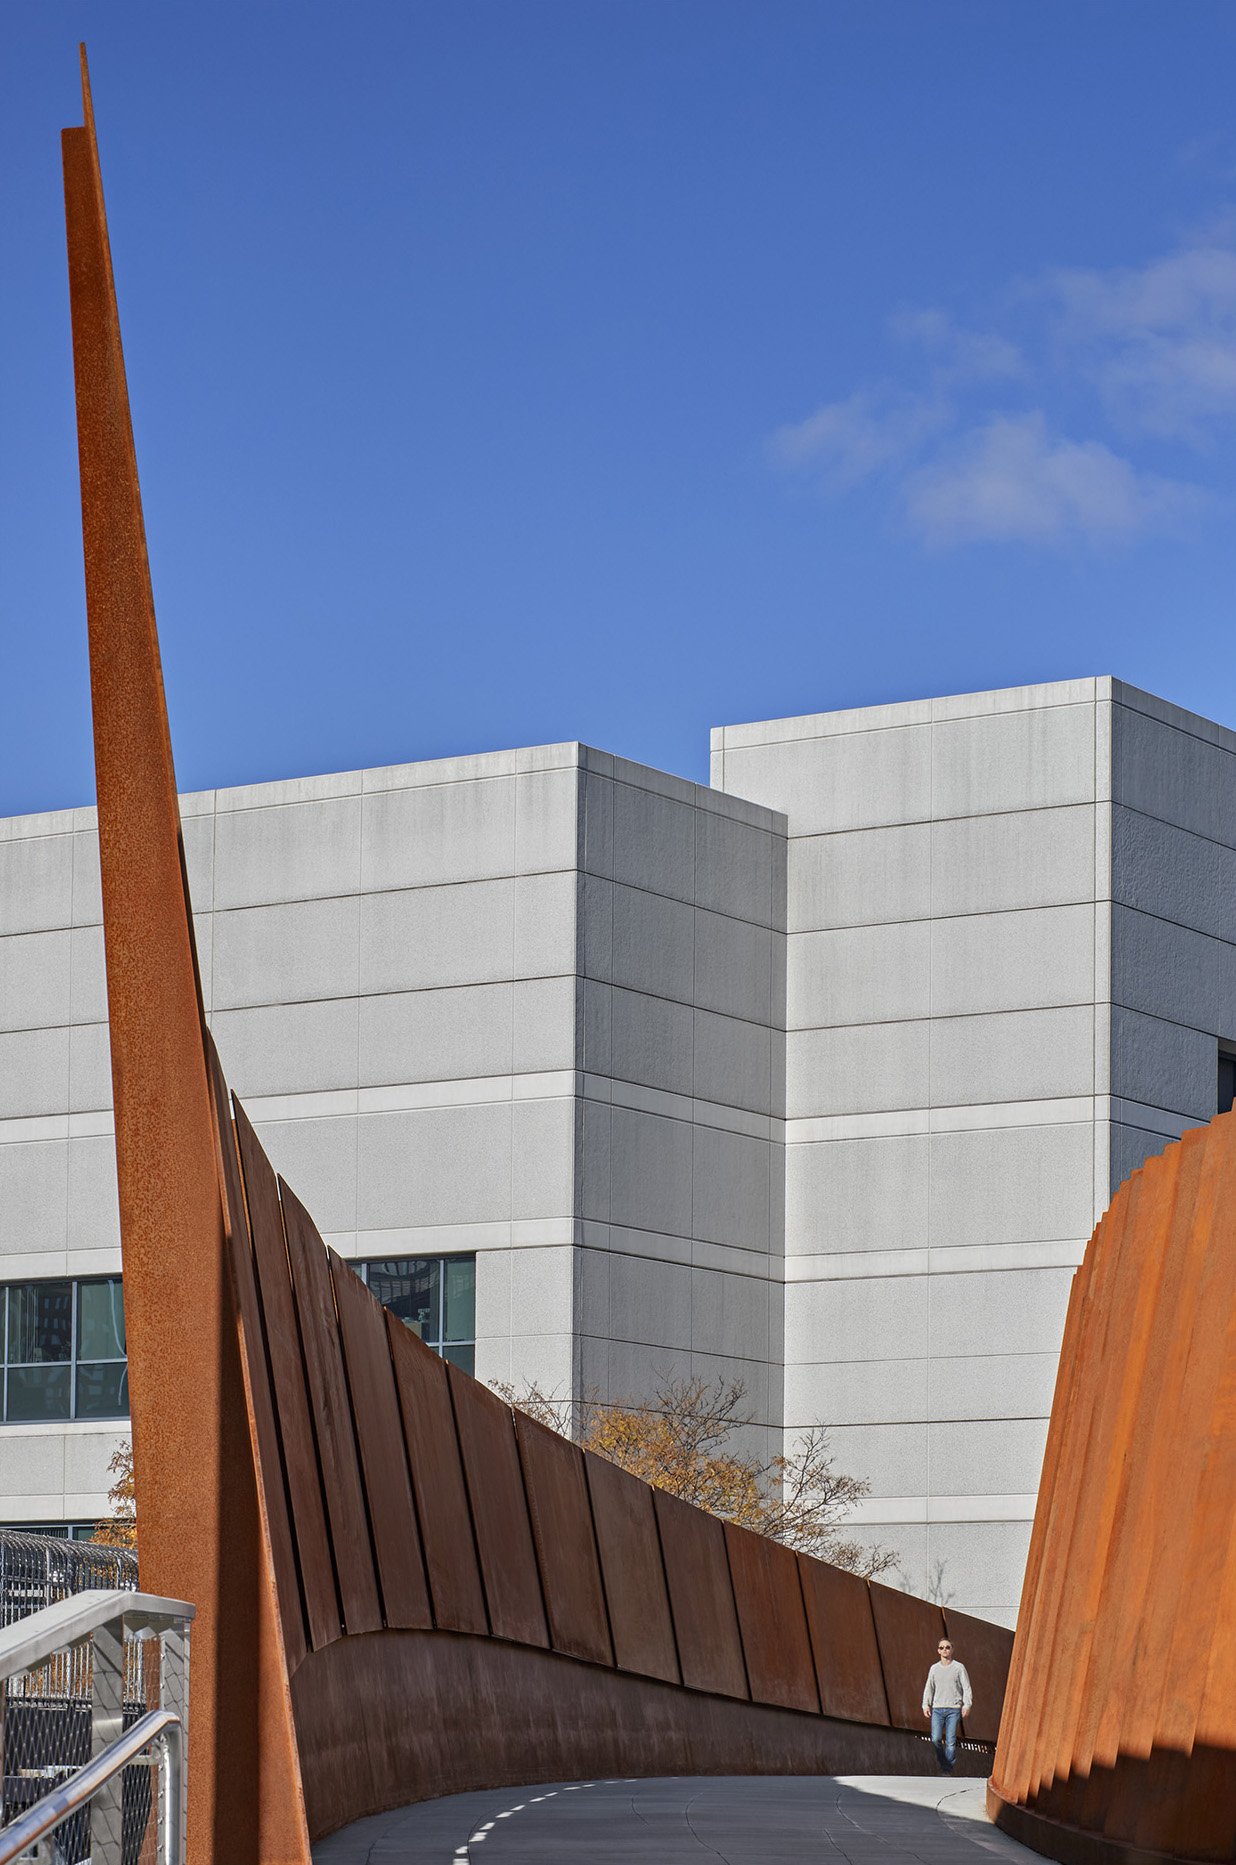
948, 1688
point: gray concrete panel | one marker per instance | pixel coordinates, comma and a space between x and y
1173, 774
730, 1189
1164, 1065
36, 882
651, 1041
847, 780
1164, 969
1030, 1054
432, 936
434, 1165
94, 1211
653, 944
542, 1159
1162, 869
290, 1048
547, 820
34, 1197
1034, 759
284, 954
34, 1073
1013, 1184
431, 834
871, 1194
857, 1070
653, 842
863, 974
855, 1392
999, 863
987, 1457
34, 980
455, 1033
295, 852
733, 1063
650, 1172
856, 1319
1012, 961
736, 869
862, 877
1000, 1312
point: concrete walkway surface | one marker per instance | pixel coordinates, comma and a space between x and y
696, 1820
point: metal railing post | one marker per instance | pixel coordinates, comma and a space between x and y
106, 1727
174, 1695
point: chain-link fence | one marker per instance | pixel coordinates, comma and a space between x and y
48, 1713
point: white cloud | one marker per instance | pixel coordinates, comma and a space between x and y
1009, 480
959, 355
849, 441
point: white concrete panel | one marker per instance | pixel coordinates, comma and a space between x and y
297, 852
429, 834
545, 940
447, 1165
289, 1048
987, 1457
856, 1070
36, 882
87, 975
879, 1319
844, 1195
654, 842
1173, 775
982, 1564
730, 1189
94, 1211
318, 1160
1164, 870
87, 888
862, 974
34, 980
1165, 970
1164, 1064
733, 967
445, 1035
651, 1040
542, 1291
650, 1173
547, 820
1018, 1385
543, 1159
32, 1464
493, 1292
1012, 1184
595, 1013
598, 838
855, 1392
1030, 1055
198, 831
543, 1361
87, 1453
595, 928
653, 944
90, 1068
733, 1063
1013, 761
34, 1198
852, 780
860, 878
544, 1024
891, 1458
737, 868
1030, 858
284, 954
1010, 1311
34, 1072
1012, 961
434, 936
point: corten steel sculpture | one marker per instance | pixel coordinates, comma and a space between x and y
1119, 1739
403, 1588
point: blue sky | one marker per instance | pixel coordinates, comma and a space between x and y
607, 369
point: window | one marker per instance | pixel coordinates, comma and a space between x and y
57, 1531
64, 1352
435, 1296
1227, 1080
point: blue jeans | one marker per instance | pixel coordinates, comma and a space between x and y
944, 1727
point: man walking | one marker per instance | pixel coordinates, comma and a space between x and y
946, 1699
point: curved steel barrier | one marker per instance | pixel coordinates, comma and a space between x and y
403, 1588
1119, 1740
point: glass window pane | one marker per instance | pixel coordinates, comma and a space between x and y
409, 1287
40, 1321
460, 1272
102, 1389
100, 1320
38, 1392
464, 1357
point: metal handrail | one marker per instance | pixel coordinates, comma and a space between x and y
31, 1642
156, 1725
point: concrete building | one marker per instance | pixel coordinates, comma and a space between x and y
817, 1078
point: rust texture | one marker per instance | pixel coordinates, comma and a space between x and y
1118, 1739
203, 1534
906, 1627
701, 1593
843, 1642
499, 1511
772, 1621
633, 1571
384, 1461
566, 1545
403, 1589
438, 1480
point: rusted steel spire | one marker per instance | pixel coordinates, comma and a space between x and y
202, 1528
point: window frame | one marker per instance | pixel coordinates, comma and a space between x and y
73, 1363
363, 1265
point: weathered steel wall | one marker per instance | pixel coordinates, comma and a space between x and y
1119, 1735
403, 1588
